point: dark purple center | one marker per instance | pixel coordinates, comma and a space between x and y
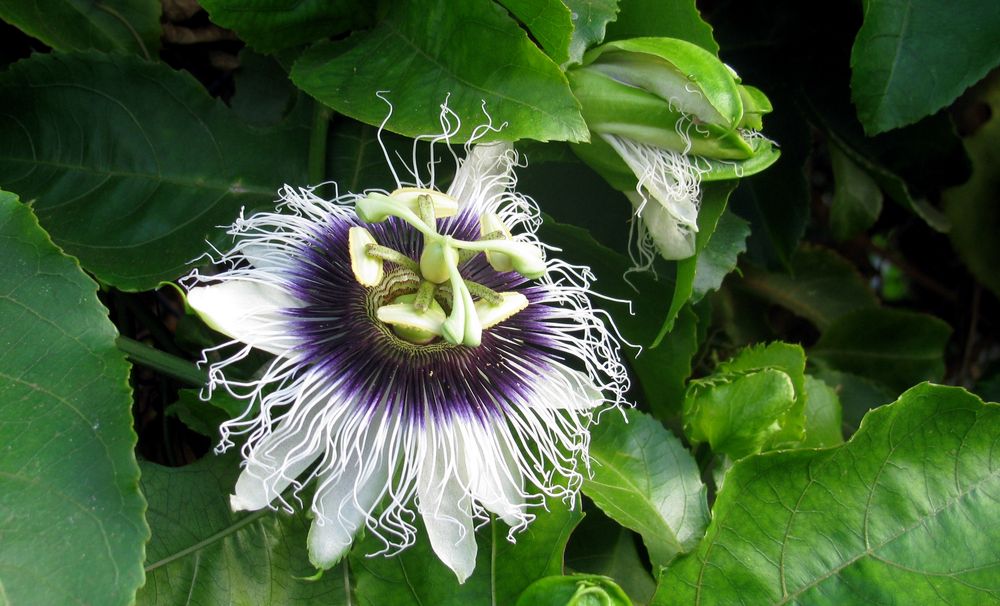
341, 338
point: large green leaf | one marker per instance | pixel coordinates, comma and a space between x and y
503, 569
972, 207
904, 511
204, 553
912, 58
71, 527
549, 21
644, 479
272, 25
898, 348
425, 52
674, 19
131, 165
820, 286
590, 20
125, 26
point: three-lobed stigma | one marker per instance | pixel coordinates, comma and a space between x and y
418, 316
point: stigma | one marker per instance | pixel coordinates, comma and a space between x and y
439, 303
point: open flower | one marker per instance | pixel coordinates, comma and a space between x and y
427, 356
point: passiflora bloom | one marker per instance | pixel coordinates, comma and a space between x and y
428, 358
664, 116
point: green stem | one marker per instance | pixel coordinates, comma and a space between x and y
162, 362
317, 144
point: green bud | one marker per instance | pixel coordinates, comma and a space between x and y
611, 107
690, 77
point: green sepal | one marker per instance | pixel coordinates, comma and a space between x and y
612, 107
672, 68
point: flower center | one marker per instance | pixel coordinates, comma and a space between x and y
418, 316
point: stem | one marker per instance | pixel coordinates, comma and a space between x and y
317, 144
162, 362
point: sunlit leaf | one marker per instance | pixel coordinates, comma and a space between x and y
69, 483
434, 50
823, 415
644, 479
590, 20
549, 21
675, 19
906, 508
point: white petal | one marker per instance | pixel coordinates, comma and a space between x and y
250, 312
568, 389
277, 460
493, 478
447, 514
344, 503
483, 175
673, 240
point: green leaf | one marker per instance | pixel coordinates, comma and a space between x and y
857, 199
433, 50
72, 527
898, 348
754, 401
821, 286
112, 26
674, 19
600, 546
972, 208
713, 203
503, 569
549, 21
574, 590
906, 508
912, 58
273, 25
718, 258
857, 395
590, 20
204, 553
131, 165
739, 415
823, 415
205, 417
644, 478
